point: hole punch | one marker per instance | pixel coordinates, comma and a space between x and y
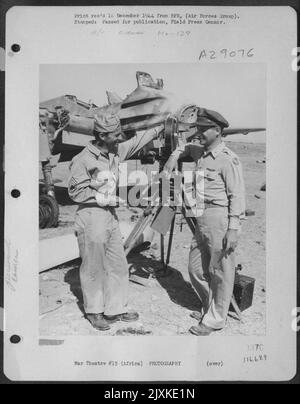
15, 193
15, 339
15, 48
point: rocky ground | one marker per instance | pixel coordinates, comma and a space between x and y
166, 301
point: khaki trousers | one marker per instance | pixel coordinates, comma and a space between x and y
104, 270
211, 272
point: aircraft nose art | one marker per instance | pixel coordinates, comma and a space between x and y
144, 108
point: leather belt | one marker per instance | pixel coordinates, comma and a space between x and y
95, 205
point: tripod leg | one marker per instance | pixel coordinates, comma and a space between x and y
143, 222
170, 241
236, 308
191, 221
162, 249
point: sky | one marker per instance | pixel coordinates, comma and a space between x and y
236, 90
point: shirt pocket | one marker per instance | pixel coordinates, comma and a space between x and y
210, 174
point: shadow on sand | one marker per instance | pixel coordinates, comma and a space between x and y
73, 279
179, 290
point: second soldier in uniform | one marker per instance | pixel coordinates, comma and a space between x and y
212, 257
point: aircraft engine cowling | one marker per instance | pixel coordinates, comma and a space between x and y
79, 124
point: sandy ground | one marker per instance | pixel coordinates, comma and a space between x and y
164, 302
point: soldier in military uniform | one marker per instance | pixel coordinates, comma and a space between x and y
211, 259
104, 270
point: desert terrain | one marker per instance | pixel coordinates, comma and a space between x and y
164, 300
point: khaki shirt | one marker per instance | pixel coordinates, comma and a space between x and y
221, 171
83, 184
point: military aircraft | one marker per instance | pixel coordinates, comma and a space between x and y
66, 126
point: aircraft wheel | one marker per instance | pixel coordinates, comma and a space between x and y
48, 212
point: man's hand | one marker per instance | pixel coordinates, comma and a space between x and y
230, 241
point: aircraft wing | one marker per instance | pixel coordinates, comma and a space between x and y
243, 131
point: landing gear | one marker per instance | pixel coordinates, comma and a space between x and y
48, 212
48, 207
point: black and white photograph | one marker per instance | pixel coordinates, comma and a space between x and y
150, 194
167, 278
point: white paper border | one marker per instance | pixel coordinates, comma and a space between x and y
46, 35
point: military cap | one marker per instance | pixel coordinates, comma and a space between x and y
107, 123
209, 118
